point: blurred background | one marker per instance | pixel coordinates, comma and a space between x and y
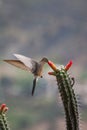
36, 28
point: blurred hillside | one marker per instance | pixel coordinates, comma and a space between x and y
56, 29
51, 27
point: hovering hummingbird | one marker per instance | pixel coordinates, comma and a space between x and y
30, 65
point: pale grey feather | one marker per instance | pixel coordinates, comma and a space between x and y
18, 64
30, 63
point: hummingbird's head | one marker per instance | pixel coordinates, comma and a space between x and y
44, 59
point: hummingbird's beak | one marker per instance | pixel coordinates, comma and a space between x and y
34, 85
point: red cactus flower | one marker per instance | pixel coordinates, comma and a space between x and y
68, 65
51, 73
53, 66
3, 108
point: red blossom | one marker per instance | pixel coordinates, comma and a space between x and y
52, 65
68, 65
51, 73
3, 108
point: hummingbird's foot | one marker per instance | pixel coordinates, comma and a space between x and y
41, 76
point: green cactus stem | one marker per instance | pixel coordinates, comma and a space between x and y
65, 85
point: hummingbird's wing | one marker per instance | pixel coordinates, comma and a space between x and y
28, 62
34, 85
17, 63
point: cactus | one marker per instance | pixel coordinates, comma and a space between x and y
65, 85
3, 120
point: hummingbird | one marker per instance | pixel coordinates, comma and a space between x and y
30, 65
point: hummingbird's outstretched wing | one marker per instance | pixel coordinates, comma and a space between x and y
28, 62
34, 85
18, 64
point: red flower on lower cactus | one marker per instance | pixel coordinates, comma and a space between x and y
3, 108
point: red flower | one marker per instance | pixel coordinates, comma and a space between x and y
53, 66
3, 108
68, 65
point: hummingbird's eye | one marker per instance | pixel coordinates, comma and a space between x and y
45, 59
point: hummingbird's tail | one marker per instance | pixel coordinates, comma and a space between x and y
34, 85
